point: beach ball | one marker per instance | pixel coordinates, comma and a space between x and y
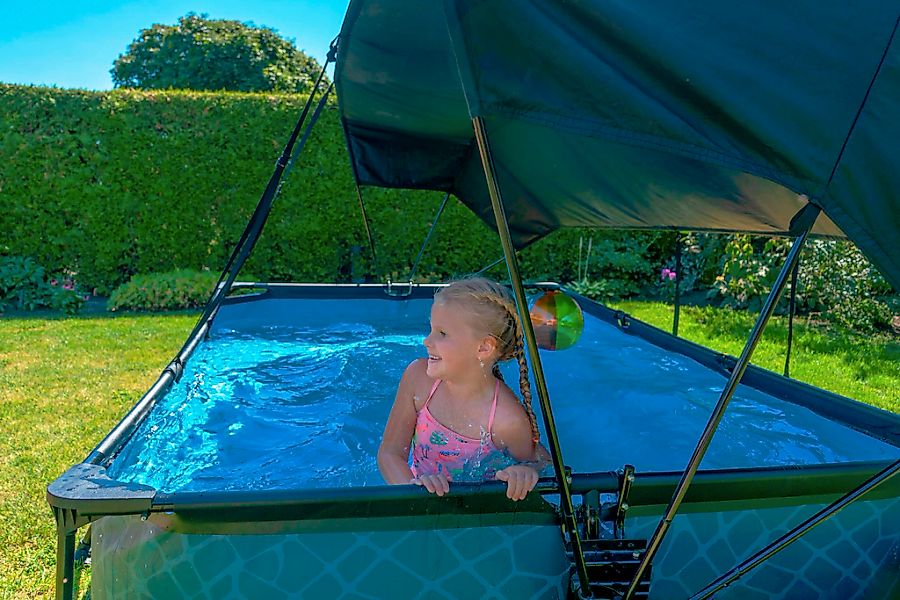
557, 320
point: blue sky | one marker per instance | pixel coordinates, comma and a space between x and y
73, 44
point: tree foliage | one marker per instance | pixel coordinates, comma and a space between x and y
213, 54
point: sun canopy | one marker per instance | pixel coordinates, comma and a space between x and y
635, 114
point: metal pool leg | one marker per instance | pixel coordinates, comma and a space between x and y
65, 564
67, 523
567, 506
802, 224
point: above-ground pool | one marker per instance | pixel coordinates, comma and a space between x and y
255, 475
302, 404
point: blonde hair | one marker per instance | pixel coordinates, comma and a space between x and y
492, 311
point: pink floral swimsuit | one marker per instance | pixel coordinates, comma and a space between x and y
438, 449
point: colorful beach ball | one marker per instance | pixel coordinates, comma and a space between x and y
557, 320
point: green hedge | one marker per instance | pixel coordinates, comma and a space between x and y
112, 184
103, 186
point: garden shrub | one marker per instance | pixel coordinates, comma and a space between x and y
837, 282
608, 264
751, 267
25, 285
179, 289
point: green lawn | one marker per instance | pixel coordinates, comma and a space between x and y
65, 382
865, 368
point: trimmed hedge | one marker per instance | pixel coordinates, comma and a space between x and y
113, 184
108, 185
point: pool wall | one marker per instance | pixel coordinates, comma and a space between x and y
398, 541
146, 542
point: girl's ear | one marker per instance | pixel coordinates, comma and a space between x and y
487, 347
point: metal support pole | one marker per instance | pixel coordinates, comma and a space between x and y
791, 310
803, 221
677, 283
568, 509
794, 534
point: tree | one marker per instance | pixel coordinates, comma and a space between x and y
214, 54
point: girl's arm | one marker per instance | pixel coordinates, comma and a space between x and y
393, 454
513, 431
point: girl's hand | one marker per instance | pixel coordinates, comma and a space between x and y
436, 484
520, 479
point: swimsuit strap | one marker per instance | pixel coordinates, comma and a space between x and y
490, 425
493, 407
437, 382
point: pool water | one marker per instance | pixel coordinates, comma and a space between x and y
302, 404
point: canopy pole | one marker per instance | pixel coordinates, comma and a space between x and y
791, 310
677, 283
490, 174
434, 222
803, 222
794, 534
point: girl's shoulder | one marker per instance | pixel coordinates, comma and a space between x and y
512, 429
510, 416
419, 383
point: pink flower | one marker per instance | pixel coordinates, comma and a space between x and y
87, 297
672, 275
68, 286
53, 282
665, 273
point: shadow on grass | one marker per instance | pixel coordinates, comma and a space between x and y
95, 308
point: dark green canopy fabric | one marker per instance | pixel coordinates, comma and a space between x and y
705, 115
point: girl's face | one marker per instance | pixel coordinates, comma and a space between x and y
453, 347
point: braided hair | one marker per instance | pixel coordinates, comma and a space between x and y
493, 310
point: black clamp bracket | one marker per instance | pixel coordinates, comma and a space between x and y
176, 368
626, 479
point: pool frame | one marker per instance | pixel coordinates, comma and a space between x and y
84, 493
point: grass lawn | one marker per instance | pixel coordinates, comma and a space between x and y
865, 368
65, 382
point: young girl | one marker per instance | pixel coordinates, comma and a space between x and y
452, 411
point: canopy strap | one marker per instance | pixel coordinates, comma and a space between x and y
565, 492
258, 220
804, 218
492, 265
434, 223
281, 164
365, 217
794, 534
792, 308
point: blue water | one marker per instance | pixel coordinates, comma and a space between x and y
303, 404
